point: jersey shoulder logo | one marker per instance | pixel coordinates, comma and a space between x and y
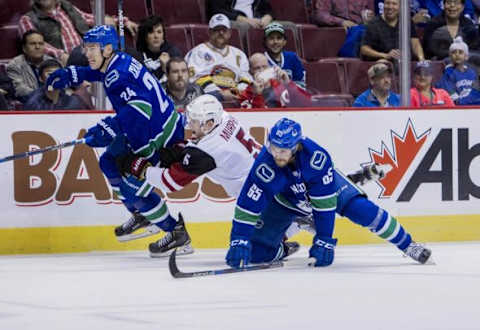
265, 173
318, 160
111, 77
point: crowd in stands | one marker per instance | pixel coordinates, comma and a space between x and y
253, 53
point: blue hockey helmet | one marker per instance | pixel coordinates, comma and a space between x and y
103, 35
285, 134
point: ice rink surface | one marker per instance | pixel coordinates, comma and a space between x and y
368, 287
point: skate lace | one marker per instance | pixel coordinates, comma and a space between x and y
414, 250
130, 222
165, 240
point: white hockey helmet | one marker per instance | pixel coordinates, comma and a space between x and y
204, 108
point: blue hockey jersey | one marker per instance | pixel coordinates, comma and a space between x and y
460, 84
307, 187
291, 64
144, 112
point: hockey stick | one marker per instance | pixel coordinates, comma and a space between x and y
41, 151
121, 27
176, 273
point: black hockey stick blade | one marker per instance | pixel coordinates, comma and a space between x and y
176, 273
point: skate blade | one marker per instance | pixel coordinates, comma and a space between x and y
149, 231
430, 261
182, 250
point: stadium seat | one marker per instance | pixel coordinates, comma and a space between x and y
324, 78
12, 10
134, 10
83, 5
318, 43
199, 34
255, 41
178, 36
10, 41
332, 100
179, 11
290, 10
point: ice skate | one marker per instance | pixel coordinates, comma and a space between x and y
419, 253
290, 248
306, 223
176, 239
129, 230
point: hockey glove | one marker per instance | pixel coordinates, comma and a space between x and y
65, 78
323, 251
133, 164
102, 134
239, 253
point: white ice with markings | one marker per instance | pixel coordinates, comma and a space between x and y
368, 287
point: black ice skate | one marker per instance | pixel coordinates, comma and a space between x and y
370, 172
176, 239
126, 232
306, 223
418, 253
290, 248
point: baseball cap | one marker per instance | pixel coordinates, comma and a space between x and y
424, 67
219, 20
378, 69
274, 27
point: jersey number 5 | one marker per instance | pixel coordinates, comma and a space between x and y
251, 145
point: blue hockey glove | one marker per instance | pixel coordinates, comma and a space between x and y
323, 250
102, 134
239, 253
65, 78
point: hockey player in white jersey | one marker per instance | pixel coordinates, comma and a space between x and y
217, 66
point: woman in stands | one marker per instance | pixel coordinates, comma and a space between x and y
153, 45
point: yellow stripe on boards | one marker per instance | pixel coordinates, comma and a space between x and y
216, 235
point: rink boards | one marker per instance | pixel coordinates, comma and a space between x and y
61, 202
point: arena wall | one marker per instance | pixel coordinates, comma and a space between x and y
61, 202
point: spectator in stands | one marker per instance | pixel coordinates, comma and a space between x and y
62, 24
7, 92
441, 30
271, 87
57, 99
23, 69
177, 85
459, 79
380, 94
217, 66
249, 13
275, 41
345, 13
381, 40
423, 94
154, 47
423, 10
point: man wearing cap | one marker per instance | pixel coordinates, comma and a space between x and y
274, 42
379, 95
217, 66
423, 94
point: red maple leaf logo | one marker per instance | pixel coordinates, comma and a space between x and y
405, 148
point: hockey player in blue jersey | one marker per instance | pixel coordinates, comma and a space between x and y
274, 42
144, 121
294, 177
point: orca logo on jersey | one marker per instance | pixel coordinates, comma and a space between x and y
265, 173
111, 77
318, 160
